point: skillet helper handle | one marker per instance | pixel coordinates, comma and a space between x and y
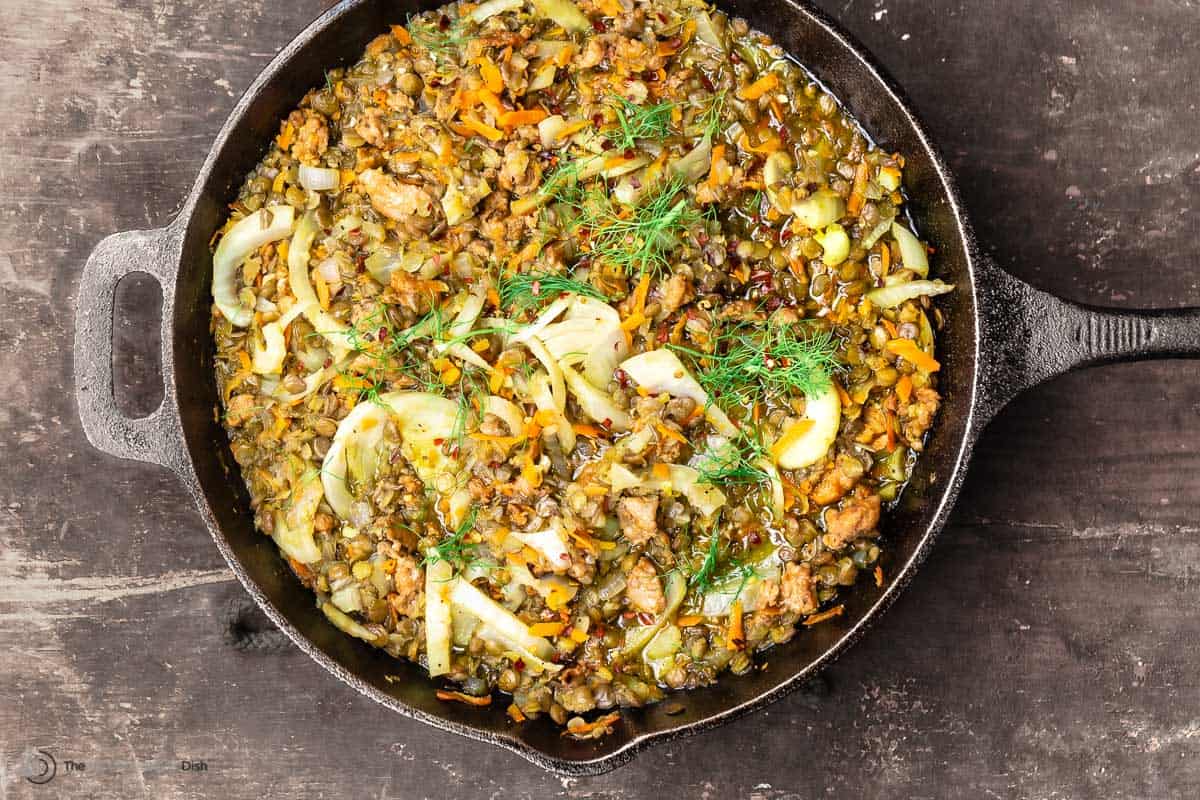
156, 438
1031, 336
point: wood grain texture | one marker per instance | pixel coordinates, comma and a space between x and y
1048, 649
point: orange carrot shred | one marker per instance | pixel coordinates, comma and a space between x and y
470, 700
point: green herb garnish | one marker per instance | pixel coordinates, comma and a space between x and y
701, 580
442, 44
638, 240
735, 461
532, 290
710, 120
777, 360
640, 122
456, 549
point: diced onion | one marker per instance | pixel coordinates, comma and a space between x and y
247, 235
897, 294
318, 179
835, 244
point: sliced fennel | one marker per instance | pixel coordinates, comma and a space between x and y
439, 576
912, 253
661, 371
264, 226
501, 623
293, 531
807, 441
680, 480
595, 403
334, 331
899, 293
422, 419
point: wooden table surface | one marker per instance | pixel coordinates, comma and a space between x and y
1048, 649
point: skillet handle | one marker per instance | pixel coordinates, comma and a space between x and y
156, 438
1030, 336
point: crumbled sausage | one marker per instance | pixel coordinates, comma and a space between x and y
917, 416
239, 409
857, 517
637, 518
312, 136
644, 589
796, 589
676, 291
396, 200
409, 582
371, 127
415, 294
841, 478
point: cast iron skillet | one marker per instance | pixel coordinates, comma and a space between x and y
1002, 336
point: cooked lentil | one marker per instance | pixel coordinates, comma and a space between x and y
572, 349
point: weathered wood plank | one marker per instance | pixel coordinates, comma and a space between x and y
1047, 649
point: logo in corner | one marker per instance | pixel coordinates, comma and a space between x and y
39, 767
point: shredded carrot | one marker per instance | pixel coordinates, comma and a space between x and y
490, 100
768, 145
611, 8
719, 171
483, 129
451, 376
661, 470
815, 619
587, 430
904, 388
858, 194
890, 327
639, 294
671, 433
545, 418
911, 352
322, 290
490, 73
760, 87
348, 177
595, 490
244, 359
845, 398
515, 713
879, 576
688, 31
793, 434
574, 127
633, 322
470, 700
736, 639
515, 119
480, 345
590, 543
889, 422
885, 260
689, 620
578, 635
547, 628
286, 136
400, 34
564, 57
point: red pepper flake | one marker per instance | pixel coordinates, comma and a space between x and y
707, 82
622, 378
599, 26
519, 665
664, 331
645, 618
438, 442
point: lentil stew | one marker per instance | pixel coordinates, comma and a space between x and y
573, 350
